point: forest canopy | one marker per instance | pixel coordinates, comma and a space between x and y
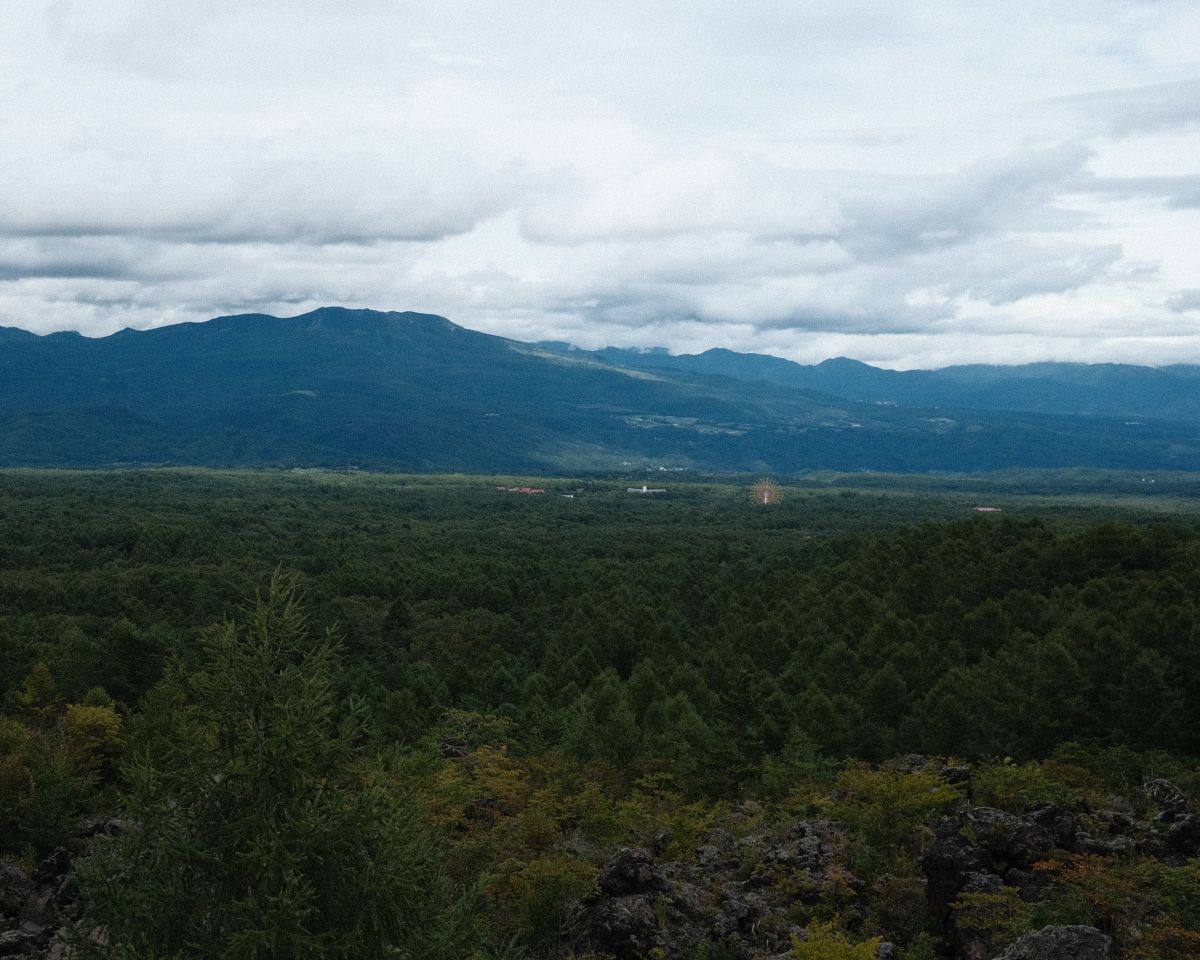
515, 670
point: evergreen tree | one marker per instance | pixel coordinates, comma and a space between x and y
1149, 707
258, 826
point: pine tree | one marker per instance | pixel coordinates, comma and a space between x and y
258, 827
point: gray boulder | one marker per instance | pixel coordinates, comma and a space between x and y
623, 927
1016, 841
631, 870
950, 861
15, 887
1184, 836
1167, 797
1060, 943
14, 943
1058, 823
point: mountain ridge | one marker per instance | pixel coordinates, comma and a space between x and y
414, 391
1117, 390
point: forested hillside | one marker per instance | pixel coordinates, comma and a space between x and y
1092, 389
415, 392
535, 680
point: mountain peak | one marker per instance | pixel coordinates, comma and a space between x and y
843, 363
349, 314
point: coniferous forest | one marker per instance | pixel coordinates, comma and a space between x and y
312, 714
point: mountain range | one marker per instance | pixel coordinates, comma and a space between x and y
415, 392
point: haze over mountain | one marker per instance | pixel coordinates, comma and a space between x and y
413, 391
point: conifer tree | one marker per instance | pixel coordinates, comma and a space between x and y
257, 826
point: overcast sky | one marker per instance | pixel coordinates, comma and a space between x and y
909, 183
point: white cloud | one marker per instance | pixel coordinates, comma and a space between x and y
936, 180
1184, 301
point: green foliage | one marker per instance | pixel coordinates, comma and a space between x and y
1017, 787
656, 806
923, 947
827, 941
533, 896
998, 917
1174, 934
899, 909
39, 698
1150, 910
736, 648
1181, 894
94, 730
891, 812
52, 770
258, 829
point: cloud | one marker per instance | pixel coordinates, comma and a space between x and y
281, 191
1001, 272
1184, 301
690, 194
1129, 111
68, 258
1016, 192
791, 177
1179, 192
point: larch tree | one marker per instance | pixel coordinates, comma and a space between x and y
258, 826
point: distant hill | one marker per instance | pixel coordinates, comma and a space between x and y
415, 392
1073, 389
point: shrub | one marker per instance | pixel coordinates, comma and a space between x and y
533, 897
890, 813
827, 941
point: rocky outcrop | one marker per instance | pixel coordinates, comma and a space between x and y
631, 871
742, 897
36, 911
1060, 943
985, 850
31, 908
15, 888
1011, 840
731, 893
952, 862
1178, 820
1172, 801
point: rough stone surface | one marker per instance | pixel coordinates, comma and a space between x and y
949, 861
1015, 840
1058, 823
624, 927
1184, 836
1060, 943
15, 943
631, 870
1030, 884
32, 914
54, 866
734, 896
985, 850
15, 887
1167, 797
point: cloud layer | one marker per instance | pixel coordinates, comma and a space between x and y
912, 185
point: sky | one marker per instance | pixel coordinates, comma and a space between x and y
911, 184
